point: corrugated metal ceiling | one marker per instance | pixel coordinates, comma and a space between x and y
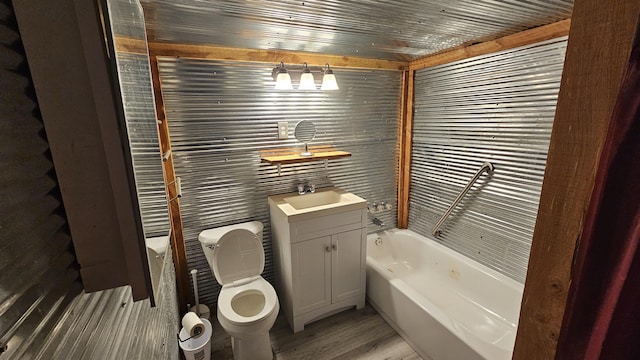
396, 29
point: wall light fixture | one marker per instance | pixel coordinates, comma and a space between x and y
305, 79
328, 79
283, 79
307, 82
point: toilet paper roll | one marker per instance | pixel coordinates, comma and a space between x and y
193, 325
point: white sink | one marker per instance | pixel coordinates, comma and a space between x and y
316, 199
323, 202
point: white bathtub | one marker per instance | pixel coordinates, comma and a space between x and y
444, 304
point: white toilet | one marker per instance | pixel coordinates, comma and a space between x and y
247, 304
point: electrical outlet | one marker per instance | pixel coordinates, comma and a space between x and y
283, 130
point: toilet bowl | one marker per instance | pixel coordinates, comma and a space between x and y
247, 304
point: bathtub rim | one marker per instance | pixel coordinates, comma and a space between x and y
514, 284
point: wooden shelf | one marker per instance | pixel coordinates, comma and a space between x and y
292, 156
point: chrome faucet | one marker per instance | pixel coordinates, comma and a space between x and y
378, 222
303, 188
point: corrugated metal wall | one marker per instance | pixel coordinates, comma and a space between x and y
134, 75
498, 108
38, 270
109, 325
221, 114
137, 95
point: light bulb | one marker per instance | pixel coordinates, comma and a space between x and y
329, 82
307, 82
283, 82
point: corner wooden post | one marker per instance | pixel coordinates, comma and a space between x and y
598, 51
406, 130
177, 236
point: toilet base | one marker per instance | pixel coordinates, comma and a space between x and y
252, 348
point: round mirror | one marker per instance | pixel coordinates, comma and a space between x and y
305, 131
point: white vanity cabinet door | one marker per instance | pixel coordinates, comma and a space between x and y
348, 255
311, 267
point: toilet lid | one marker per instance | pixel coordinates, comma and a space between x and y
238, 255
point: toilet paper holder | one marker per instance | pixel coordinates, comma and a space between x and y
192, 325
198, 332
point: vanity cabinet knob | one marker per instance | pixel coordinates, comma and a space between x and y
327, 249
334, 247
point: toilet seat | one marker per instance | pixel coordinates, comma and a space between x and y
257, 284
237, 255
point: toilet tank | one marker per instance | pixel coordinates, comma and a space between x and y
211, 236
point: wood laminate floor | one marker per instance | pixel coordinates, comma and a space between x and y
351, 334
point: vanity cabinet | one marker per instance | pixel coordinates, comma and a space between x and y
320, 263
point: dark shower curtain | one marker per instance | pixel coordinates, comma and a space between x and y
602, 320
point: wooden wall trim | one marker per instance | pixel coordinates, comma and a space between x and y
130, 45
531, 36
598, 50
270, 56
405, 136
178, 248
212, 52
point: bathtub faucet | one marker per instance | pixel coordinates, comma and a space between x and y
378, 222
309, 187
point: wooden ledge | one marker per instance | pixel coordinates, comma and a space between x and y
292, 155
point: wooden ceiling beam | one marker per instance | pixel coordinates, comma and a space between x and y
210, 52
531, 36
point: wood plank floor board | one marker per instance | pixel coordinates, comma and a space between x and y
350, 334
344, 332
391, 347
342, 325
